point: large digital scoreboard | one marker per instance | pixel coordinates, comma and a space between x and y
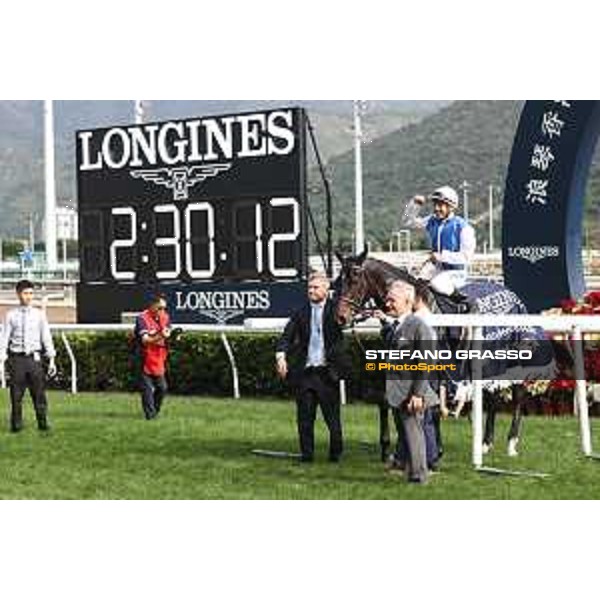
210, 211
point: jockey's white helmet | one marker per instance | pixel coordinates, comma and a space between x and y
446, 194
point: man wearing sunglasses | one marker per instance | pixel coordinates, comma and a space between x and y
452, 240
153, 330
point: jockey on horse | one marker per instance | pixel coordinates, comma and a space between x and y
452, 240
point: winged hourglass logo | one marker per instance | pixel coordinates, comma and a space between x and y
181, 179
221, 316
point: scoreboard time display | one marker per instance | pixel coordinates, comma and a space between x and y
210, 211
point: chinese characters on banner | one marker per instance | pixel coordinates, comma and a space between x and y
543, 155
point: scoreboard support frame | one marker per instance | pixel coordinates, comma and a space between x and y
328, 201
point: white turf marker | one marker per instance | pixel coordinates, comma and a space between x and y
275, 454
495, 471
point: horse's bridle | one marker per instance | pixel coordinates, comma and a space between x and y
358, 305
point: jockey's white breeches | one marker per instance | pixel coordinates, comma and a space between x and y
442, 280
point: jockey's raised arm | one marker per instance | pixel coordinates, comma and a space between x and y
412, 216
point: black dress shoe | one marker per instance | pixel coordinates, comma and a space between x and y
335, 458
417, 481
16, 428
306, 459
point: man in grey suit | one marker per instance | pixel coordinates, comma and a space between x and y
408, 394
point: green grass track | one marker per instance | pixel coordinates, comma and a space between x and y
101, 448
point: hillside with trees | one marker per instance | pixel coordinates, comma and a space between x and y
467, 141
21, 139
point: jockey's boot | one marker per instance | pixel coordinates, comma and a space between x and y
458, 297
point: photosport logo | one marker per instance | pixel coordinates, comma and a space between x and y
534, 254
490, 361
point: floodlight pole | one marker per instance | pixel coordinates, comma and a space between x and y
465, 188
50, 187
139, 111
491, 219
31, 233
359, 240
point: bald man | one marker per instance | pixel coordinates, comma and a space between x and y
408, 396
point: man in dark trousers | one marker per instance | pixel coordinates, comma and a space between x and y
433, 416
153, 330
309, 356
25, 340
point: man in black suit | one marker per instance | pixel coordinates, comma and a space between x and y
309, 356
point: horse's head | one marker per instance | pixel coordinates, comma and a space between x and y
352, 287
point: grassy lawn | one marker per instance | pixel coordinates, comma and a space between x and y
201, 448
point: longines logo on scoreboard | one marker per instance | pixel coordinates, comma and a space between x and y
211, 211
192, 141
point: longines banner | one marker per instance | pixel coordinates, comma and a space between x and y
544, 201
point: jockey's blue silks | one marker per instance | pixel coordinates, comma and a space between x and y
445, 234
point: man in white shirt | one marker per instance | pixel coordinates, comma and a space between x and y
25, 339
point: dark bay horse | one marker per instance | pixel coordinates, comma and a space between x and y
364, 282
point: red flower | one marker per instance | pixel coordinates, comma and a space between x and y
563, 384
593, 298
592, 364
568, 305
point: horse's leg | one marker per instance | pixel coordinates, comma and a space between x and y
518, 395
384, 429
490, 402
436, 416
438, 413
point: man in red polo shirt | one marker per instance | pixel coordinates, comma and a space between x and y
153, 329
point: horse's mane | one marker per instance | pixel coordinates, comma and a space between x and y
393, 273
385, 273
